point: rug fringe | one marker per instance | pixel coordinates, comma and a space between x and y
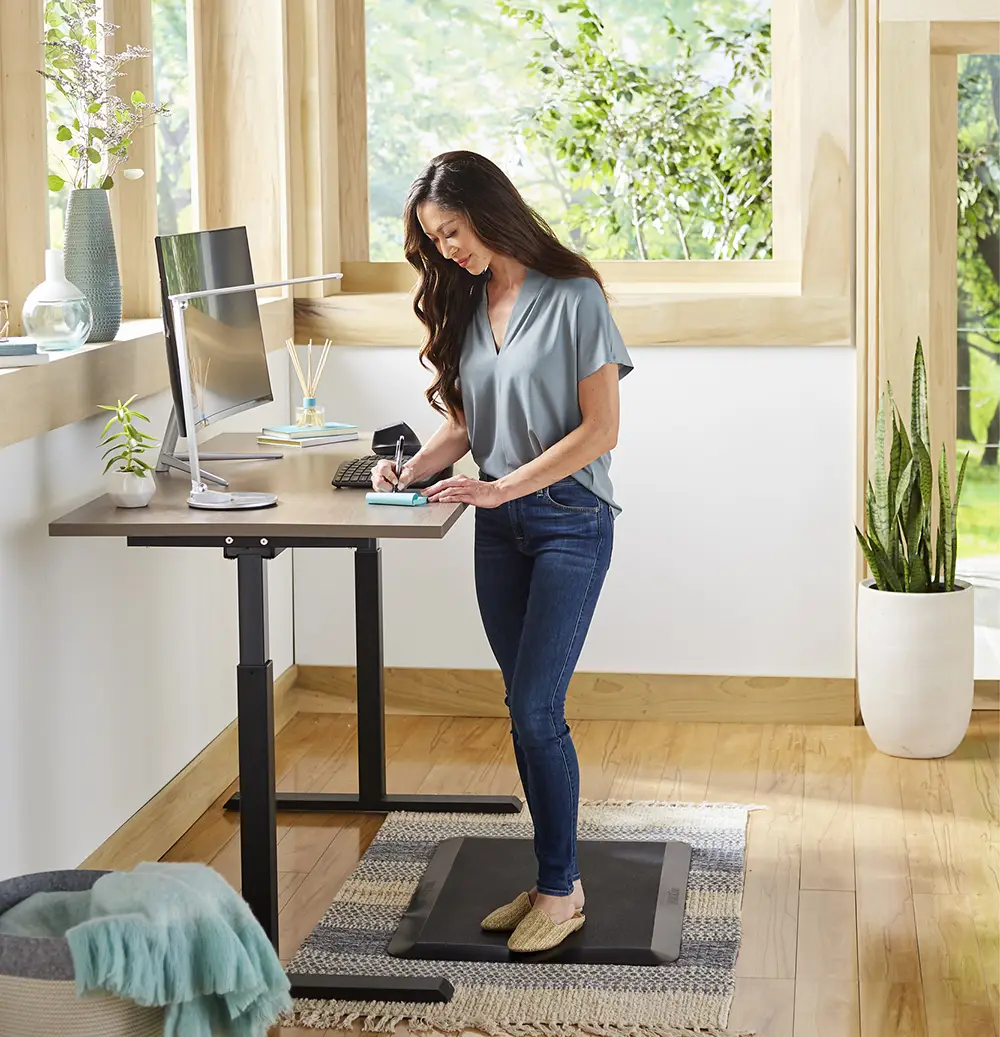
672, 803
326, 1016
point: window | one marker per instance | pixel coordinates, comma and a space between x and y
172, 86
575, 106
58, 113
978, 426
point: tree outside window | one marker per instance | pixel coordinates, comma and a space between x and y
638, 129
172, 85
978, 428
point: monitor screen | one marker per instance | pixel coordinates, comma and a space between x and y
225, 344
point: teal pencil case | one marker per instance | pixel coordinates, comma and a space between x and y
405, 500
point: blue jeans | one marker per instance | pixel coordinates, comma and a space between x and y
540, 565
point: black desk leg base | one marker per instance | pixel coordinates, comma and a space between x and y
326, 802
255, 704
423, 990
255, 689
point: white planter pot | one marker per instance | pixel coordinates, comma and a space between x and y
915, 669
130, 491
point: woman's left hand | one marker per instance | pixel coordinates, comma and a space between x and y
461, 489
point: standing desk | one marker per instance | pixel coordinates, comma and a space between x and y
309, 513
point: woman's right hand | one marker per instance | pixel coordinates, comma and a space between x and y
384, 478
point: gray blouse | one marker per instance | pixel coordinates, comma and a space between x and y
524, 399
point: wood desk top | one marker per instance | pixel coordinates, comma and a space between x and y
308, 506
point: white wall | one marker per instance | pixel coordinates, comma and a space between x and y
734, 553
118, 663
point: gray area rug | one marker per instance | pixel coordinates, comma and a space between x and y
687, 998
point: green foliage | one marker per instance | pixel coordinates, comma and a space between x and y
128, 443
82, 75
979, 282
447, 74
656, 148
898, 545
979, 186
172, 85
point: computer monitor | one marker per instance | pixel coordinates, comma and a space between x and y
225, 344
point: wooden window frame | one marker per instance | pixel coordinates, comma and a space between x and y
907, 217
914, 205
293, 73
803, 296
280, 115
241, 150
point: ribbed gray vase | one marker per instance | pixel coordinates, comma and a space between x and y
91, 261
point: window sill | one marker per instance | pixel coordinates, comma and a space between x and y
70, 387
664, 314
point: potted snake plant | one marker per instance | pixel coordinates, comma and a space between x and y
915, 619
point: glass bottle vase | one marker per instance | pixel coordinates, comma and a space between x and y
56, 314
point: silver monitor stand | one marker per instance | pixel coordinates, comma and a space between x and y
170, 459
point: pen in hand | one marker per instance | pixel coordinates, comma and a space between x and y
397, 467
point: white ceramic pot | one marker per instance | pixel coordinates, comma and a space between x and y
128, 490
915, 669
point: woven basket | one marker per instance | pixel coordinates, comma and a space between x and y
37, 989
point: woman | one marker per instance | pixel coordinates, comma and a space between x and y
528, 361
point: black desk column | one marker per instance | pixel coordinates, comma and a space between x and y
370, 681
255, 704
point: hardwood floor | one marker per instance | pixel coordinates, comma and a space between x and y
871, 902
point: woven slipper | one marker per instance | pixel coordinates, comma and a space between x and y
508, 917
537, 932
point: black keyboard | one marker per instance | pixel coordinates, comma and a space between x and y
356, 474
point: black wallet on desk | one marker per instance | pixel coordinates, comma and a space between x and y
356, 474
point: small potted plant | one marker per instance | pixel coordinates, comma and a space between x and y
915, 620
129, 479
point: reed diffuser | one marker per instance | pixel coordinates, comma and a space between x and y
310, 414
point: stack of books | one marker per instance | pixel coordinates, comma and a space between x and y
292, 435
19, 351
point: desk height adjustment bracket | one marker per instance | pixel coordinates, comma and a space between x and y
262, 549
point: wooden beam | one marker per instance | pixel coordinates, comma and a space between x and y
133, 202
242, 125
23, 198
904, 199
965, 37
866, 255
752, 275
824, 140
645, 319
352, 123
918, 231
313, 135
938, 11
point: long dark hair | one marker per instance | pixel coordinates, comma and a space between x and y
447, 295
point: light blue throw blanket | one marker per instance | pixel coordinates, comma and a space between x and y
166, 934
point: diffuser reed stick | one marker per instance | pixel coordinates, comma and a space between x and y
310, 415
